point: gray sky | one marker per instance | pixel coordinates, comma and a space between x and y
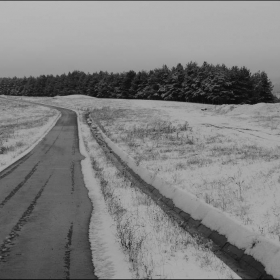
57, 37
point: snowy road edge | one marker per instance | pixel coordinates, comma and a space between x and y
107, 256
265, 251
262, 249
106, 252
21, 155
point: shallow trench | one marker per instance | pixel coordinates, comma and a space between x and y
242, 264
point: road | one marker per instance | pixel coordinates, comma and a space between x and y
45, 210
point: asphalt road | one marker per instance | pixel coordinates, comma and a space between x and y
45, 210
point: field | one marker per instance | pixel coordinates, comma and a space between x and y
226, 155
230, 163
21, 125
155, 246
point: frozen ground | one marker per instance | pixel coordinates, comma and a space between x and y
155, 247
226, 155
21, 126
229, 159
108, 258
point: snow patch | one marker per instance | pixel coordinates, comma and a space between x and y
107, 256
255, 245
74, 96
51, 125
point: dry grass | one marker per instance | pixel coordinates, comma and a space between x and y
154, 244
205, 159
20, 126
186, 157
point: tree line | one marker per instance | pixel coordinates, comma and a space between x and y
193, 83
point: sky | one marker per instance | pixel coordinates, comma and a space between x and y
60, 36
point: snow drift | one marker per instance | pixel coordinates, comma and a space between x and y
263, 250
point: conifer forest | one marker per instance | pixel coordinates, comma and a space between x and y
207, 84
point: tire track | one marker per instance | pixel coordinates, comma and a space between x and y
17, 164
248, 268
241, 130
39, 240
9, 241
72, 177
19, 186
74, 145
67, 260
54, 140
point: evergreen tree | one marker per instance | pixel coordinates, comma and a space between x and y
205, 84
262, 88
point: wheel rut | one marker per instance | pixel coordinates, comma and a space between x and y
72, 177
54, 141
19, 186
45, 210
67, 259
9, 241
10, 169
241, 130
245, 266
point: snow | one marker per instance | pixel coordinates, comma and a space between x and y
235, 232
166, 250
75, 96
42, 132
272, 266
107, 256
32, 138
254, 181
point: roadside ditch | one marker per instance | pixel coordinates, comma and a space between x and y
241, 263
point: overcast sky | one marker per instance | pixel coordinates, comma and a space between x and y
58, 37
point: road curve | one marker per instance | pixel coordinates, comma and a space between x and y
45, 210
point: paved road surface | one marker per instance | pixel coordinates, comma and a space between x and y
45, 210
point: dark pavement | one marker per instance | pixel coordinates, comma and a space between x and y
45, 210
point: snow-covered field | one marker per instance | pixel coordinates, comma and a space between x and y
21, 126
155, 247
226, 155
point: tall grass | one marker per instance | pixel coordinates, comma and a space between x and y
216, 167
20, 126
153, 242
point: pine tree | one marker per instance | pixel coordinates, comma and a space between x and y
262, 88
